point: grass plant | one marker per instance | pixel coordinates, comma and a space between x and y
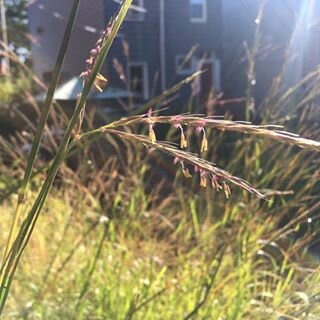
116, 240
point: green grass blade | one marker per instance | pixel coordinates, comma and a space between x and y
42, 123
26, 230
157, 100
48, 101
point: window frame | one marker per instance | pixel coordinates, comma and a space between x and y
145, 80
204, 17
216, 71
140, 13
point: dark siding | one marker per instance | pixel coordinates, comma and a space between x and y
143, 40
278, 22
46, 44
181, 34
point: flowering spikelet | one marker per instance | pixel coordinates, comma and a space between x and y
100, 80
215, 183
185, 170
186, 173
203, 178
199, 129
204, 142
203, 182
200, 124
183, 140
152, 135
203, 167
226, 190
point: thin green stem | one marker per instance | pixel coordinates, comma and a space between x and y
41, 126
159, 99
26, 230
48, 101
252, 55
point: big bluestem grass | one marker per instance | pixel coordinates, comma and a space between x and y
218, 178
190, 229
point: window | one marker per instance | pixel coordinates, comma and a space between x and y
198, 10
136, 11
138, 77
184, 65
209, 78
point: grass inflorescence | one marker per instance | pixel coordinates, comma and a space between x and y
122, 236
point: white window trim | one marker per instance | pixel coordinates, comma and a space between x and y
204, 17
145, 77
216, 72
216, 65
139, 9
183, 72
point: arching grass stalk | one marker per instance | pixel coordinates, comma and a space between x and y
25, 232
198, 123
154, 102
40, 129
159, 99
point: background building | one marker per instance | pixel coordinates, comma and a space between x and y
152, 51
47, 22
164, 41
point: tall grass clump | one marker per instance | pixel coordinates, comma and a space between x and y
188, 254
13, 252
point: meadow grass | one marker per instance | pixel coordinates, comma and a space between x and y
144, 256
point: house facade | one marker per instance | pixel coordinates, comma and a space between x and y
160, 43
47, 22
164, 41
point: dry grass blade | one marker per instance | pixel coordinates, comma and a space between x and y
159, 99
